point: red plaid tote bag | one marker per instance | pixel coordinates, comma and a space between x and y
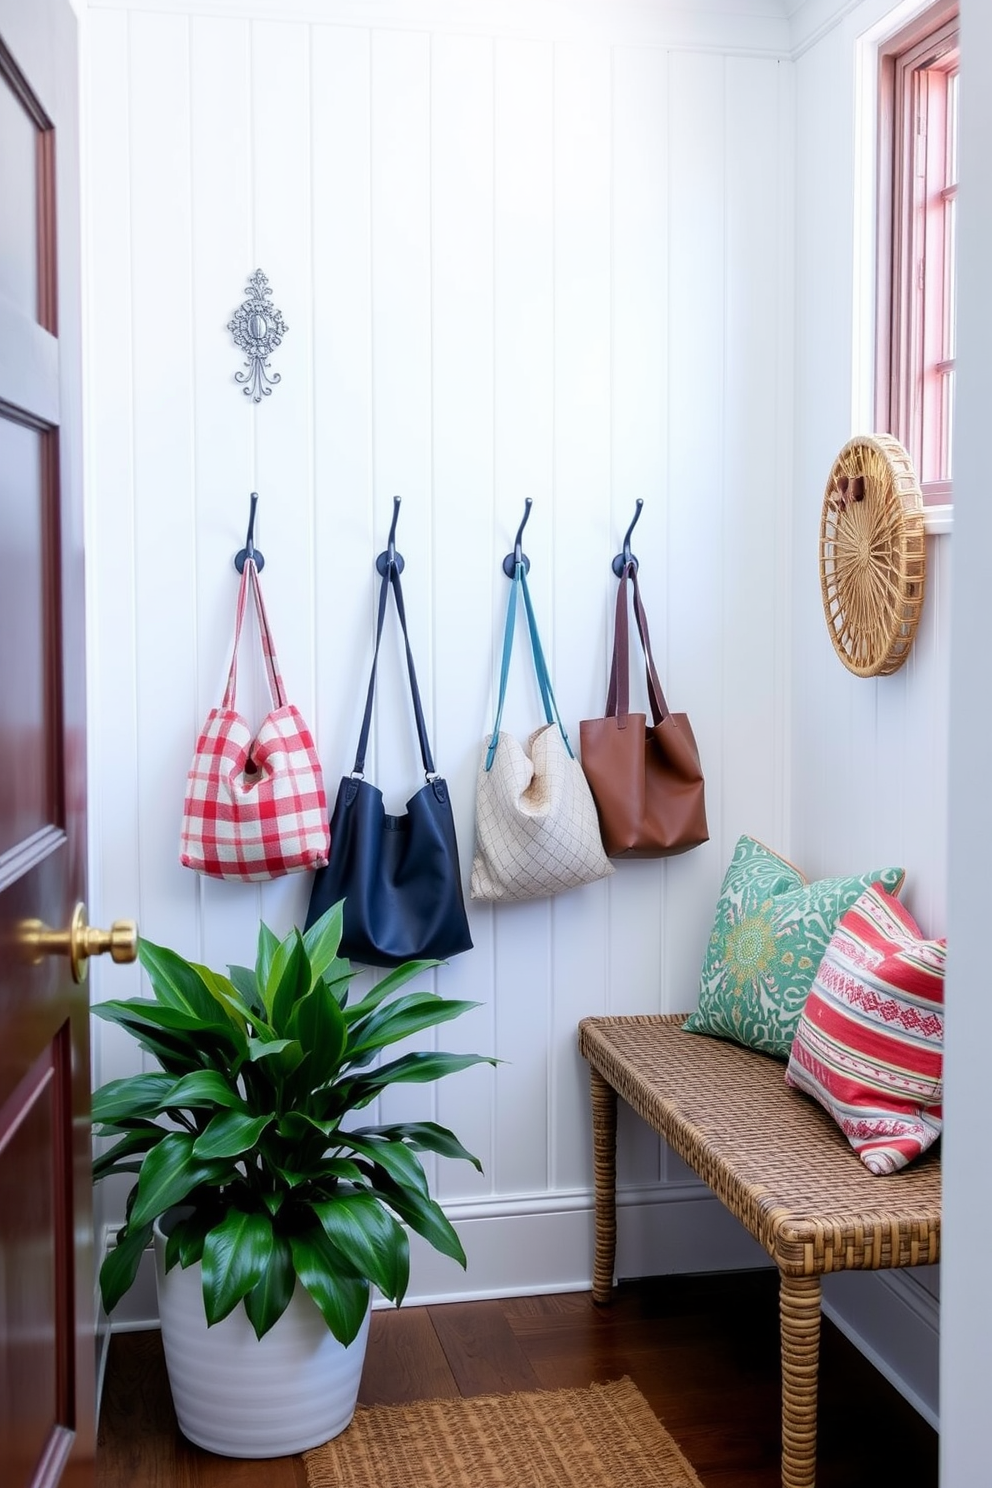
255, 807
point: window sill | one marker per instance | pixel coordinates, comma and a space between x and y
938, 520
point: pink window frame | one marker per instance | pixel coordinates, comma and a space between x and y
915, 362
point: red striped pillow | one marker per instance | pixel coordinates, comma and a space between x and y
869, 1045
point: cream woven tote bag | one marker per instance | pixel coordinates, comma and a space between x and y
536, 827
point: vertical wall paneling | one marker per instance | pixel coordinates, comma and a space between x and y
576, 643
462, 464
342, 349
114, 785
223, 430
347, 527
344, 526
639, 440
284, 422
401, 388
869, 757
694, 628
164, 508
523, 450
402, 372
755, 546
505, 273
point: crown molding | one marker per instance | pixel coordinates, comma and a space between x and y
734, 27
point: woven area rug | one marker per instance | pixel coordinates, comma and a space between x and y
603, 1436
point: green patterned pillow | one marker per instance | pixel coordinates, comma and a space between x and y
769, 935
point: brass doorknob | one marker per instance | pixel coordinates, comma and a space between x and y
81, 941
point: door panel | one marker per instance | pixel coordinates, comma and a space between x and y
19, 194
36, 1272
25, 732
46, 1252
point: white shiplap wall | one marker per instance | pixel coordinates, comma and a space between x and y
869, 761
520, 256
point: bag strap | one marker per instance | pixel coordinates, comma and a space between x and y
548, 702
250, 585
618, 696
391, 580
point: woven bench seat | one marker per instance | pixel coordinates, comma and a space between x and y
779, 1164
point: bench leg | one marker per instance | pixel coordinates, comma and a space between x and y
799, 1307
604, 1157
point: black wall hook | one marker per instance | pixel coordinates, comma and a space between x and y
518, 556
390, 556
249, 550
622, 559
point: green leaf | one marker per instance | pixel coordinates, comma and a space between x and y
229, 1134
185, 1240
131, 1098
269, 1298
243, 978
322, 940
130, 1166
370, 1238
120, 1264
177, 983
397, 978
318, 1024
286, 1055
265, 1048
401, 1019
169, 1173
420, 1067
423, 1215
291, 1058
340, 986
297, 1127
341, 1294
288, 980
342, 1167
402, 1165
139, 1140
268, 944
170, 1020
423, 1136
202, 1089
177, 1053
227, 996
292, 1177
235, 1255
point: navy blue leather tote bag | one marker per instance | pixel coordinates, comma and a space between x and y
399, 876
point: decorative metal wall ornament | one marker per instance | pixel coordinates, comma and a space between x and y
258, 328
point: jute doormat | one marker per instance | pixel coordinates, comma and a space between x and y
603, 1436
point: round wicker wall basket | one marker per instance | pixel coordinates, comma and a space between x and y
872, 555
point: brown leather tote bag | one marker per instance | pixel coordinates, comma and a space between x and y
647, 782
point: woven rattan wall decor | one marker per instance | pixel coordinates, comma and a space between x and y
872, 555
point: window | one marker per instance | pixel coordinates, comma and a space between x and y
916, 291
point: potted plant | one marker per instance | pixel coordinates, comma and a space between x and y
273, 1210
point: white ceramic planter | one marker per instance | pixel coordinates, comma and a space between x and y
243, 1396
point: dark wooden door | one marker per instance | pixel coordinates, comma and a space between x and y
46, 1254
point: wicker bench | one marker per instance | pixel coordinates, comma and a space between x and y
778, 1163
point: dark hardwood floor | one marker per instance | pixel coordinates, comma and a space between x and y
702, 1350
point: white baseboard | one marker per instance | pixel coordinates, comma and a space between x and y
101, 1344
541, 1245
534, 1244
527, 1245
895, 1322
